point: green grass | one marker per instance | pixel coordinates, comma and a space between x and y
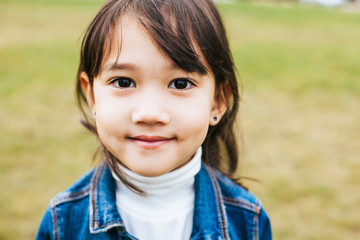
295, 49
300, 114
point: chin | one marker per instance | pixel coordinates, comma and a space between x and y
145, 173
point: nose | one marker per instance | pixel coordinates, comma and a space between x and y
150, 110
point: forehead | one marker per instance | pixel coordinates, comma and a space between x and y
131, 30
130, 45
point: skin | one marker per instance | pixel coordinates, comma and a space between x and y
150, 114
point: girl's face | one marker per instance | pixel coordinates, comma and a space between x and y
150, 114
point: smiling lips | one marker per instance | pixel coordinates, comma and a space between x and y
150, 142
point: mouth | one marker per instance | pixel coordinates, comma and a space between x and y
150, 142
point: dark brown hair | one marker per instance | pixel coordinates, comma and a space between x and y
180, 28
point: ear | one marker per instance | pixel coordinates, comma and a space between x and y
86, 85
219, 107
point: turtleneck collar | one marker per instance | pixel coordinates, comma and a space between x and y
165, 195
169, 180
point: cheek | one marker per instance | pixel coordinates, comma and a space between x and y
198, 110
108, 107
110, 115
194, 120
109, 124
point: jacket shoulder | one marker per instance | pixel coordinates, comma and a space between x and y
61, 209
78, 190
235, 195
243, 209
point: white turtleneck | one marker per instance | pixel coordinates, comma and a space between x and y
166, 211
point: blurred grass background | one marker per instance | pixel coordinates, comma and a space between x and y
300, 114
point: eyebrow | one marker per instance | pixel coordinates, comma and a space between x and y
119, 66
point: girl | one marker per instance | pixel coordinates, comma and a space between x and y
157, 86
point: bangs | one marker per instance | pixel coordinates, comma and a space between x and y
172, 28
168, 26
183, 30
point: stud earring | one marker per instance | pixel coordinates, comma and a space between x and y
215, 118
94, 113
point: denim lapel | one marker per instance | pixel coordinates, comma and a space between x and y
103, 211
209, 211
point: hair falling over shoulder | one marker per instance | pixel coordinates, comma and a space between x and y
181, 29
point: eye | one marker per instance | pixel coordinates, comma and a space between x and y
181, 84
122, 82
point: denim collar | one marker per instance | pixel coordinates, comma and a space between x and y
103, 211
209, 211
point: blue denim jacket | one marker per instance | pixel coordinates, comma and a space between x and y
87, 210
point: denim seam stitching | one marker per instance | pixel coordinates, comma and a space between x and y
102, 226
93, 196
223, 222
240, 203
70, 197
256, 227
55, 223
